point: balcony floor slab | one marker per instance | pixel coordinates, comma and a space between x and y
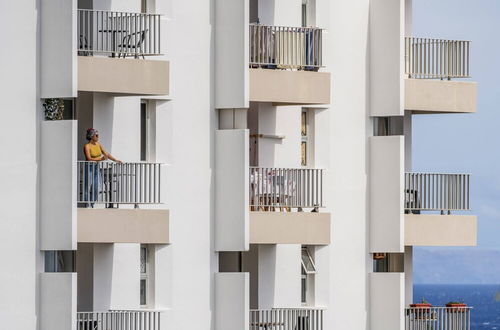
440, 230
290, 228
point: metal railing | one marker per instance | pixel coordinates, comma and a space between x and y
436, 58
118, 320
287, 319
437, 318
286, 47
118, 33
285, 188
119, 183
437, 192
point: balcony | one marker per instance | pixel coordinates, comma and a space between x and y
101, 186
285, 206
120, 35
437, 318
286, 318
119, 320
284, 64
257, 205
430, 66
101, 51
444, 193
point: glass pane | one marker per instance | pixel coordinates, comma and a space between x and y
307, 262
143, 131
144, 260
303, 153
303, 289
303, 124
143, 292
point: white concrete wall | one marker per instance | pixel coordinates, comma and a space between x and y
387, 57
386, 301
231, 54
279, 121
322, 277
19, 129
162, 276
116, 276
58, 56
57, 301
126, 143
58, 185
346, 191
386, 193
190, 189
232, 231
280, 12
231, 301
279, 276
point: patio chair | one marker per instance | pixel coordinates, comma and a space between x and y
133, 43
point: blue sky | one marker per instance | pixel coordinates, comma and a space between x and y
468, 143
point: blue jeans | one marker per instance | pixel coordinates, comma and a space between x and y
91, 183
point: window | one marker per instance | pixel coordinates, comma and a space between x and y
304, 13
144, 284
60, 261
144, 130
308, 271
144, 6
388, 262
385, 126
304, 132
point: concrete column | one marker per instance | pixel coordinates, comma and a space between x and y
116, 276
408, 275
162, 279
279, 275
322, 277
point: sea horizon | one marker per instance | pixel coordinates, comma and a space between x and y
483, 298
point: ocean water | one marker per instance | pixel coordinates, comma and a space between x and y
486, 309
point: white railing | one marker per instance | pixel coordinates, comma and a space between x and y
285, 188
285, 47
436, 58
118, 320
437, 192
119, 183
118, 33
437, 318
287, 319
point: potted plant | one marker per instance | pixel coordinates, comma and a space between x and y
423, 304
455, 306
422, 310
53, 109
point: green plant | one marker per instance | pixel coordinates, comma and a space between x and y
53, 109
455, 302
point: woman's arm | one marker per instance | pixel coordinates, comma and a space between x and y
107, 155
86, 151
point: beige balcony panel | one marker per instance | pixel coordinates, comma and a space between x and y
123, 226
123, 76
289, 87
440, 230
440, 96
289, 228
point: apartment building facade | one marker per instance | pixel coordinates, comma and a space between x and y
266, 180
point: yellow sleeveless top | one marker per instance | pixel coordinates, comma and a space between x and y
95, 150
